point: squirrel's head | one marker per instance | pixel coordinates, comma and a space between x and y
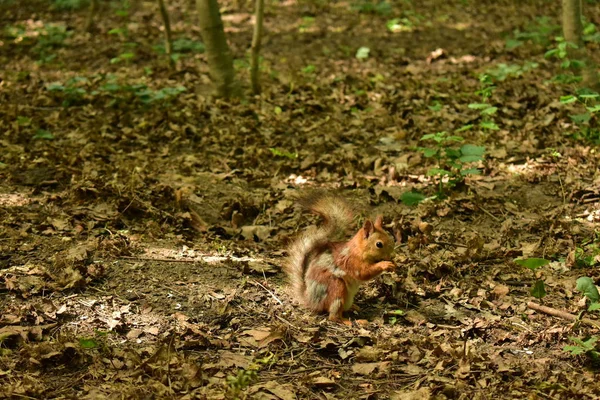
378, 245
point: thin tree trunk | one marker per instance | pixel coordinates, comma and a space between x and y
167, 23
572, 31
89, 23
220, 60
256, 42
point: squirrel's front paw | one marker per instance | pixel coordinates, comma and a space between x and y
388, 266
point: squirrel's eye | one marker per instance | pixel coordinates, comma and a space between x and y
379, 244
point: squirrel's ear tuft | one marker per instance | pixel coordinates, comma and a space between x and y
379, 222
368, 228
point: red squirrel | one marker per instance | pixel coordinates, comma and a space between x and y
325, 272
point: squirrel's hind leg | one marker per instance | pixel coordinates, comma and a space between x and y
336, 295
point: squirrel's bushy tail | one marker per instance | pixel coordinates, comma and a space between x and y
337, 216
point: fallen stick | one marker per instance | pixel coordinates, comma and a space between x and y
561, 314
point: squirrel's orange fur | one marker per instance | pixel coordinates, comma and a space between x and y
325, 272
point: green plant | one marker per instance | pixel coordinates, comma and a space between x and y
182, 46
363, 53
561, 51
503, 71
243, 379
283, 153
538, 32
486, 110
586, 286
309, 69
400, 25
44, 38
72, 91
587, 347
538, 290
452, 163
128, 56
77, 90
306, 24
586, 122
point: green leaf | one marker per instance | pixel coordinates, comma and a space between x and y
568, 99
283, 153
593, 109
23, 121
574, 350
538, 290
464, 128
2, 165
309, 69
470, 171
412, 198
479, 106
436, 106
428, 136
429, 152
489, 111
489, 125
438, 171
43, 134
581, 118
466, 159
588, 95
363, 53
532, 263
88, 343
472, 150
53, 87
453, 154
513, 44
586, 286
594, 306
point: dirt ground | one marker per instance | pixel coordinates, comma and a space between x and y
143, 224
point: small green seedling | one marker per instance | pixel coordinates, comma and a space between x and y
486, 110
587, 287
283, 153
586, 121
241, 381
538, 290
587, 347
452, 163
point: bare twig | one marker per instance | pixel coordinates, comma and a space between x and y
561, 314
181, 260
488, 213
268, 291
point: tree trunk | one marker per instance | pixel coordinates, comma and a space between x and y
167, 23
572, 31
89, 23
220, 60
256, 42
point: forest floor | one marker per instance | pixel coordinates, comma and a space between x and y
143, 225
